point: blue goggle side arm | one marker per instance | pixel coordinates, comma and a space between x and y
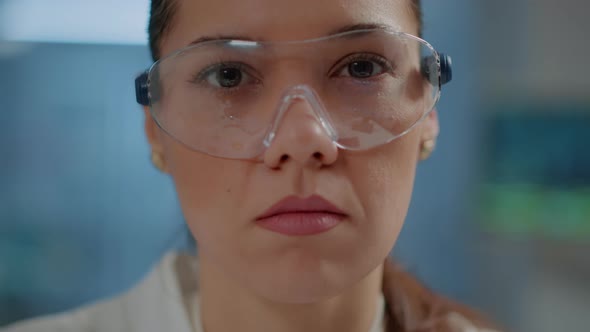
141, 89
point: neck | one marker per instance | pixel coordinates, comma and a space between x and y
227, 306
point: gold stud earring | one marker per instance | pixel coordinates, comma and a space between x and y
158, 161
427, 149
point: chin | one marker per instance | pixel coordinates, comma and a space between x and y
312, 288
299, 278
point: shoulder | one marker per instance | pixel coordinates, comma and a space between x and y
154, 304
414, 307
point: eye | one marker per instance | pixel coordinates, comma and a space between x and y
362, 69
363, 66
226, 75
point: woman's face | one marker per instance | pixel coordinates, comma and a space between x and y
222, 198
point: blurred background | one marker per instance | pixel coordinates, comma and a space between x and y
501, 212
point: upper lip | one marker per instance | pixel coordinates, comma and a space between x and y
294, 204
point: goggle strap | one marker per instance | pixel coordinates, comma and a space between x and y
446, 69
141, 89
431, 64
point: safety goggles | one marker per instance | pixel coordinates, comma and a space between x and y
228, 98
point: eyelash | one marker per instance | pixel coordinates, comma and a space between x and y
347, 60
202, 75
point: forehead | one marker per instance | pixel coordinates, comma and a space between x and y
276, 20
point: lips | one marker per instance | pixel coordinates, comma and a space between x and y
294, 216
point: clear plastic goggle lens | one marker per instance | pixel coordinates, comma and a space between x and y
227, 98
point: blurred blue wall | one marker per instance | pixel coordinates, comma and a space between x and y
82, 212
439, 230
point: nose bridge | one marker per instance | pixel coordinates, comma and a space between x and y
300, 98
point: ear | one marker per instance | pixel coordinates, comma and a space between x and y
152, 132
428, 135
430, 127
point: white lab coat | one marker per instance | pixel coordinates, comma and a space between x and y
155, 304
166, 300
159, 303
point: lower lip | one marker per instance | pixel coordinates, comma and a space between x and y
301, 223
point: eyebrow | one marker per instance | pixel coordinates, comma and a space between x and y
220, 37
360, 26
344, 29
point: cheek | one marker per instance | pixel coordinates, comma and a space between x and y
384, 180
209, 191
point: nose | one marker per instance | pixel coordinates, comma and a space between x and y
300, 136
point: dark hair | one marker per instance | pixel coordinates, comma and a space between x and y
162, 13
412, 307
161, 18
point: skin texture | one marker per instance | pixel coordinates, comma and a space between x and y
267, 281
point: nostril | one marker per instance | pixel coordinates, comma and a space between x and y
284, 158
318, 155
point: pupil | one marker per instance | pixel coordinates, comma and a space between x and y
229, 77
361, 69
